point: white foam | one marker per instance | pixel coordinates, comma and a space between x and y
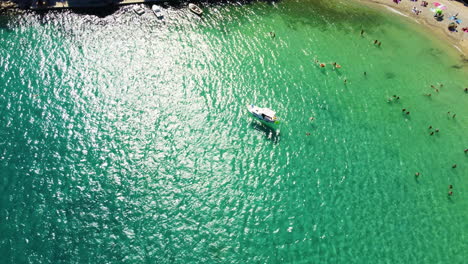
396, 11
458, 48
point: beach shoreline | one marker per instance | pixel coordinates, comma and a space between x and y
459, 40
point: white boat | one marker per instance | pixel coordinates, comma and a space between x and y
157, 11
139, 10
264, 114
195, 9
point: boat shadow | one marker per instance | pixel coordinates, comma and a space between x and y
270, 133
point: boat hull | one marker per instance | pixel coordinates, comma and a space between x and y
195, 9
257, 113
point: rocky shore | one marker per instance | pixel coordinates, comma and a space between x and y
4, 5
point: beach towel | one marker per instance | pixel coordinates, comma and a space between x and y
459, 21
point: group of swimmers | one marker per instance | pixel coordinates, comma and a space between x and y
404, 110
391, 99
323, 65
450, 187
432, 132
453, 116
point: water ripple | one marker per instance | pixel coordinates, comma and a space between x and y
126, 139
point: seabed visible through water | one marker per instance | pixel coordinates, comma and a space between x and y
125, 139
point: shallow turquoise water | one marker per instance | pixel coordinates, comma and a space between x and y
125, 139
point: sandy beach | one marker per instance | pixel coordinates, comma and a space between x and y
458, 39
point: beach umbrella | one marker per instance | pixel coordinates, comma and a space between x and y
440, 6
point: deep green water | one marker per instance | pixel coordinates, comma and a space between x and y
124, 139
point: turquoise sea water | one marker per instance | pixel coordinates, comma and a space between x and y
124, 139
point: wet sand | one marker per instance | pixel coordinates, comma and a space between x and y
458, 39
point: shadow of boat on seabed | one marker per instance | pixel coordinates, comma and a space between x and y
270, 133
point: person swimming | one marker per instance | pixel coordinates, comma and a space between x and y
336, 65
